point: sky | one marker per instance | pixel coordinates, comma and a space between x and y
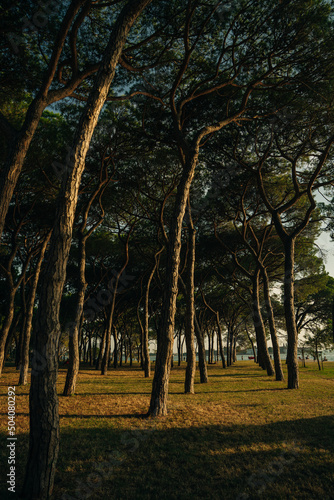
326, 246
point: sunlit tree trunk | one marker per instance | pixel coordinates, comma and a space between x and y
43, 404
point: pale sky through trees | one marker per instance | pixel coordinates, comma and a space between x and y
327, 251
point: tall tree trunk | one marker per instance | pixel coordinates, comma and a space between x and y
220, 340
6, 326
44, 415
179, 348
102, 348
146, 351
115, 347
74, 362
74, 358
228, 347
130, 351
12, 331
289, 310
105, 360
189, 384
19, 350
23, 380
252, 344
158, 403
12, 290
141, 328
203, 371
273, 333
259, 326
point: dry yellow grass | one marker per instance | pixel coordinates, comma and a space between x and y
243, 435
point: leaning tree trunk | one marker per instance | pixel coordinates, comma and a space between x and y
220, 340
12, 290
273, 333
203, 370
101, 349
74, 361
19, 350
159, 395
259, 326
22, 139
115, 347
189, 384
202, 364
145, 348
251, 343
6, 326
74, 331
23, 380
44, 415
289, 310
12, 331
106, 356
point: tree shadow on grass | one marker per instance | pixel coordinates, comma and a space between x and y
292, 459
209, 462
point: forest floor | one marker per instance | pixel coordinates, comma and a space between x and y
241, 436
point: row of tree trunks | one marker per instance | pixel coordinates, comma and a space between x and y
12, 288
44, 415
159, 395
220, 340
73, 344
202, 365
74, 330
111, 310
145, 343
24, 367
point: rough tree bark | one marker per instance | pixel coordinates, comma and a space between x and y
44, 416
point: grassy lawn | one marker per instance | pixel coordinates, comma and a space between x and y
242, 436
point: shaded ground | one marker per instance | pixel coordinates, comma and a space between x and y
241, 436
